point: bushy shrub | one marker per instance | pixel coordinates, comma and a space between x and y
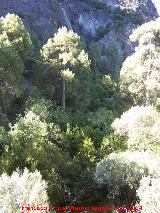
141, 126
112, 143
121, 173
101, 119
31, 144
149, 194
20, 189
40, 106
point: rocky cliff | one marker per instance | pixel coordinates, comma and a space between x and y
103, 22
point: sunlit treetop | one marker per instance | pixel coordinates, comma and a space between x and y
65, 50
150, 29
140, 74
67, 75
33, 124
17, 34
141, 126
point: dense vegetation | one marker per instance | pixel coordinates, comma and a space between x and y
68, 132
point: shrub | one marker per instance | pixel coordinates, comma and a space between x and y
141, 126
121, 173
19, 189
149, 194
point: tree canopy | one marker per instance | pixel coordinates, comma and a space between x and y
70, 133
140, 71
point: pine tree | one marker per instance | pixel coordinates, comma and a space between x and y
64, 54
140, 72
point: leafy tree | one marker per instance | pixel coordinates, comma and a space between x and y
95, 54
140, 126
95, 134
15, 49
11, 70
74, 138
41, 106
3, 139
82, 154
29, 146
17, 35
102, 31
130, 4
112, 143
140, 71
87, 151
106, 94
149, 186
26, 133
103, 89
67, 75
22, 189
121, 174
101, 119
113, 59
64, 54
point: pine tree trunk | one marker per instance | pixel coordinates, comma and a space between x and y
63, 95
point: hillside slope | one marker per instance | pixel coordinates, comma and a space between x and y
106, 22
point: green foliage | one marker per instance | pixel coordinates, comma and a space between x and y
122, 173
22, 189
28, 134
98, 3
106, 94
124, 16
102, 89
29, 146
67, 145
67, 75
95, 134
95, 53
4, 120
140, 72
3, 139
135, 18
64, 52
119, 18
140, 125
40, 106
101, 119
112, 143
11, 67
74, 138
149, 186
17, 35
102, 31
113, 59
15, 49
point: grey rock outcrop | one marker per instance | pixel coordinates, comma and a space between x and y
103, 22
